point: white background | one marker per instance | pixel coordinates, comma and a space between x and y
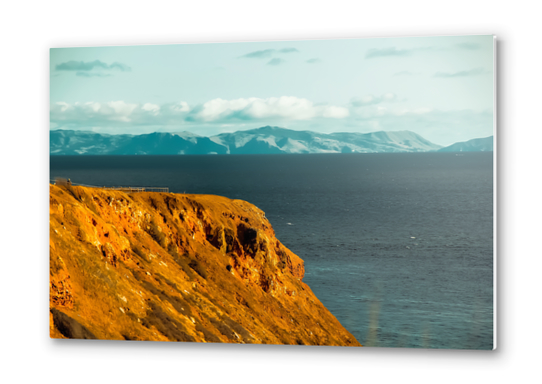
29, 29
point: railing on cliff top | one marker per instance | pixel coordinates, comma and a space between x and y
59, 181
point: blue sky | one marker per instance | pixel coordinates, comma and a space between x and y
438, 87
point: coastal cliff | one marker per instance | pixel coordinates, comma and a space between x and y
176, 267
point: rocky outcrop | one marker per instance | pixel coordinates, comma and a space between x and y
172, 267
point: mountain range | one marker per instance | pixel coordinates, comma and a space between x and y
265, 140
475, 145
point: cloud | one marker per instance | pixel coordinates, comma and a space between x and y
266, 53
81, 65
92, 112
398, 52
180, 107
259, 54
314, 60
372, 100
469, 46
113, 113
335, 112
153, 109
92, 74
121, 113
276, 61
90, 66
376, 52
288, 50
120, 67
471, 72
282, 108
393, 51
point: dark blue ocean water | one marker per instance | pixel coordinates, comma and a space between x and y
399, 247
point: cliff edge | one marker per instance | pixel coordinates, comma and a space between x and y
172, 267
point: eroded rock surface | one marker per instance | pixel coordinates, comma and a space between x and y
172, 267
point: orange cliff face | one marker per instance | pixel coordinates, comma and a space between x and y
172, 267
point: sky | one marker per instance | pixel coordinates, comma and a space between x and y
439, 87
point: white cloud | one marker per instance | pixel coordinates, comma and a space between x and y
93, 111
284, 108
180, 107
394, 51
152, 108
219, 108
467, 73
335, 112
253, 108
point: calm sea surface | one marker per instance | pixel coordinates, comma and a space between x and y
399, 247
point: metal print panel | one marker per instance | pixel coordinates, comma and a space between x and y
325, 192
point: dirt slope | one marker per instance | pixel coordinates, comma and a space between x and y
172, 267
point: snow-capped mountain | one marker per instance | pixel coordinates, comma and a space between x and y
475, 145
279, 140
265, 140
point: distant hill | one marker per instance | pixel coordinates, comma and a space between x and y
265, 140
475, 145
63, 142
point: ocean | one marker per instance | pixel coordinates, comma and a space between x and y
399, 247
